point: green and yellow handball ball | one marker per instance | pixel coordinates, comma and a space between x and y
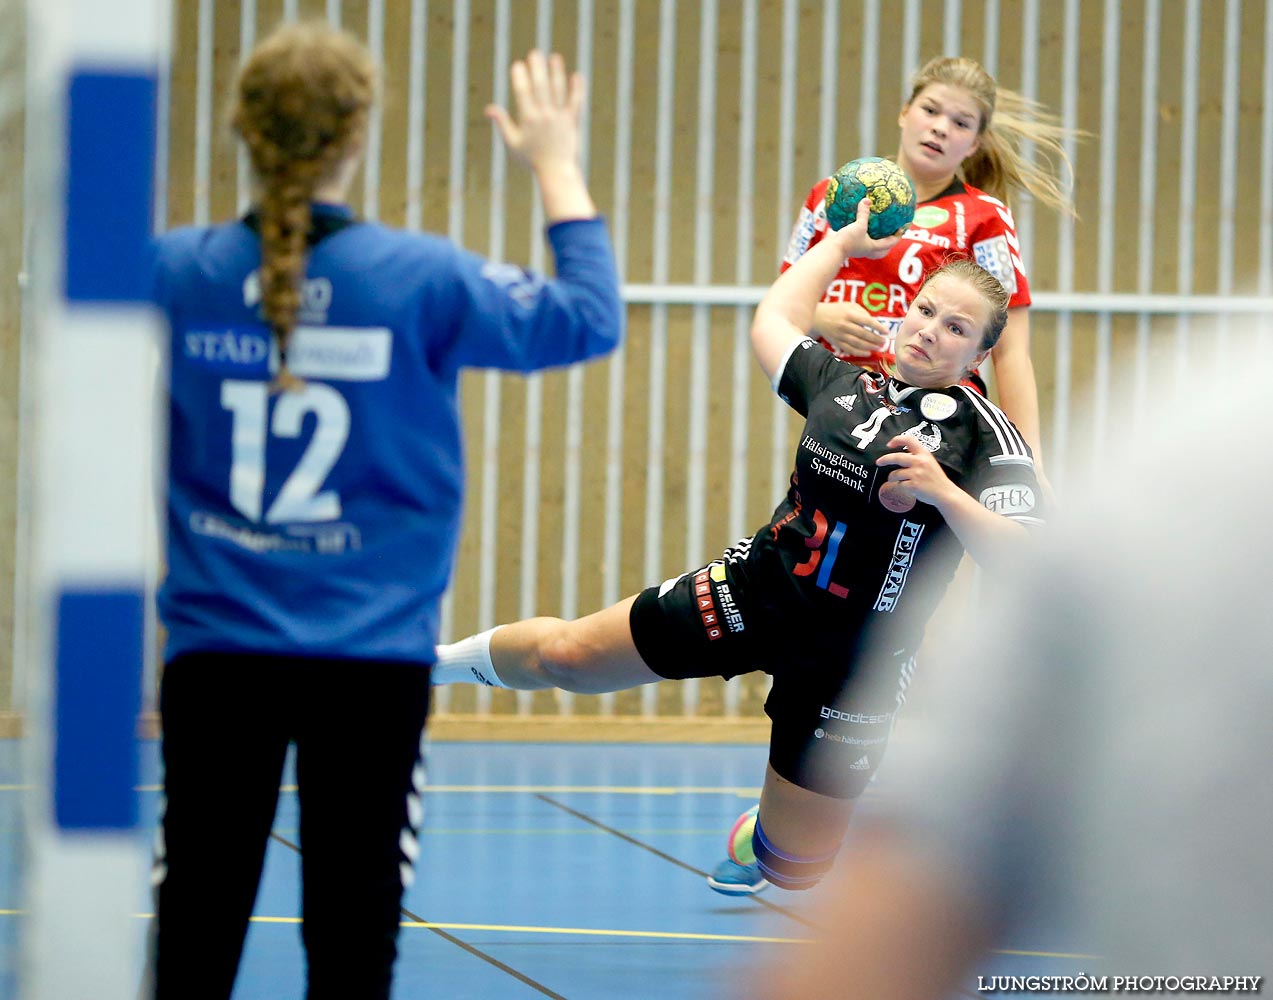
884, 182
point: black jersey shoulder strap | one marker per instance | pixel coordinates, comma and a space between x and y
956, 186
325, 221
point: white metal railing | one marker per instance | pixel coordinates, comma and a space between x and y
1056, 302
1265, 270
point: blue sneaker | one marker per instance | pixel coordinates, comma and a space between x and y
732, 879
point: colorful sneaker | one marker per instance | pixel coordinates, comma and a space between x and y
732, 879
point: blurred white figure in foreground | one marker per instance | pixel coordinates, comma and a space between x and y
1107, 757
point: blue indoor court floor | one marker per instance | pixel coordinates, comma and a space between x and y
548, 870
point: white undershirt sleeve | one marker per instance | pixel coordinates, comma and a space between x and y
782, 366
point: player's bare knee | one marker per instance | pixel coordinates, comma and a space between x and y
562, 659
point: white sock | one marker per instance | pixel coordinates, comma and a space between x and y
467, 662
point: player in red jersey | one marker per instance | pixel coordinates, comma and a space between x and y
960, 135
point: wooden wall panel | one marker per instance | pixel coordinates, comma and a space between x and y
469, 204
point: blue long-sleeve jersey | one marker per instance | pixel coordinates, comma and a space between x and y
324, 522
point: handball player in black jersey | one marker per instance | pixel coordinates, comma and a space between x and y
895, 478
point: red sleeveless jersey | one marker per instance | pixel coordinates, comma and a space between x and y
960, 221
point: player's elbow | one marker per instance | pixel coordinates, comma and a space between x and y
771, 337
604, 323
596, 324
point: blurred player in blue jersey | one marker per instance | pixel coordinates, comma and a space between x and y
315, 488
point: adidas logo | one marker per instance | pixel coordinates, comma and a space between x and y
861, 764
847, 401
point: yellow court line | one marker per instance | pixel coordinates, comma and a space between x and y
530, 831
559, 789
597, 932
602, 789
569, 931
741, 791
1042, 954
572, 931
291, 831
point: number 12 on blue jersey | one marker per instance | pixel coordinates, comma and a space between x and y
301, 497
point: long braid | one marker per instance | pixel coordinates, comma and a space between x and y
303, 99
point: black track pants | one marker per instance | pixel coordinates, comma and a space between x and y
227, 723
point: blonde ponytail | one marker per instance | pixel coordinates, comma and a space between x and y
1007, 121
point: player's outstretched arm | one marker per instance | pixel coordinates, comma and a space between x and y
545, 133
786, 312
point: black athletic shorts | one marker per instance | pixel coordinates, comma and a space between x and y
832, 704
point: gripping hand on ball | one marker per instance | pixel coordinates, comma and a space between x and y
916, 471
990, 538
855, 239
545, 133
